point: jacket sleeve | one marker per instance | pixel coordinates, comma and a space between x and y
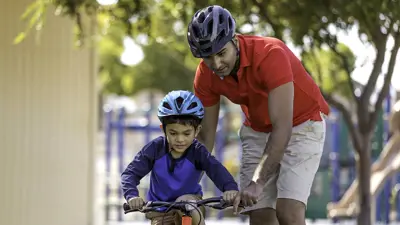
141, 165
215, 170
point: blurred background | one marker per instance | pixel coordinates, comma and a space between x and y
80, 81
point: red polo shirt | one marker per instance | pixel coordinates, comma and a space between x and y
265, 63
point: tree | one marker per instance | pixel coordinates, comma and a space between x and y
296, 21
377, 21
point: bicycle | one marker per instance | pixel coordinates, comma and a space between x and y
184, 207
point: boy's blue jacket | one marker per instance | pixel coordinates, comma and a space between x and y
171, 178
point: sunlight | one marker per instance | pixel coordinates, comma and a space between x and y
107, 2
133, 53
365, 58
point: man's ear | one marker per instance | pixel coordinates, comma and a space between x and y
161, 127
198, 130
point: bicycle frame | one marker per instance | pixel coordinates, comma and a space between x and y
186, 220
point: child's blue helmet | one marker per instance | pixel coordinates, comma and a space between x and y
180, 103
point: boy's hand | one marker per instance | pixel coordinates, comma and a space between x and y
229, 196
136, 203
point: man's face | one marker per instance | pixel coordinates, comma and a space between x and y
223, 62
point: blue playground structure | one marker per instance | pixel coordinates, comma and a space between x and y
330, 181
340, 159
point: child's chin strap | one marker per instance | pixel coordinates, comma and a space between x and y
172, 162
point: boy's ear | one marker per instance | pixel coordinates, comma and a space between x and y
198, 130
161, 127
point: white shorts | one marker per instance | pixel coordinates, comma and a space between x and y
298, 166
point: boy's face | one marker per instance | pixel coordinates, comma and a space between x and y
180, 136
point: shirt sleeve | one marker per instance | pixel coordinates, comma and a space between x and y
275, 69
141, 165
202, 88
216, 171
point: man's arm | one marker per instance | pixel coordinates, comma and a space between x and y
280, 104
209, 126
214, 169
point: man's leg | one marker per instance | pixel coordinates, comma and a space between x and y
298, 168
263, 216
253, 145
290, 212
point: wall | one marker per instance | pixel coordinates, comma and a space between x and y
47, 123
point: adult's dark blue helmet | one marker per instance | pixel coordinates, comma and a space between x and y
210, 30
180, 102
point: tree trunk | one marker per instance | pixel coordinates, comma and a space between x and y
364, 172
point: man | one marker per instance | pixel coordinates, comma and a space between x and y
284, 131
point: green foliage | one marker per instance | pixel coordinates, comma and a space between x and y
326, 68
320, 20
167, 64
309, 24
168, 74
36, 11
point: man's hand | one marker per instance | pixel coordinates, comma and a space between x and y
248, 196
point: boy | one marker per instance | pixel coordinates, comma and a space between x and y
176, 162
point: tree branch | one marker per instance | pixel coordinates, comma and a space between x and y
386, 85
370, 87
370, 23
348, 119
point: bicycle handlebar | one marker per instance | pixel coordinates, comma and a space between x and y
153, 205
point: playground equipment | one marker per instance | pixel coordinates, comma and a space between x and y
381, 183
120, 126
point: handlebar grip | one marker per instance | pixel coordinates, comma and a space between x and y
126, 207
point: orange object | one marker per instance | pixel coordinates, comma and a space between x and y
186, 220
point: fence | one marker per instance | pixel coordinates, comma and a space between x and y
116, 121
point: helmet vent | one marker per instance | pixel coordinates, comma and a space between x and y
196, 31
179, 101
220, 36
210, 27
166, 105
204, 42
221, 19
193, 105
201, 17
207, 49
210, 9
